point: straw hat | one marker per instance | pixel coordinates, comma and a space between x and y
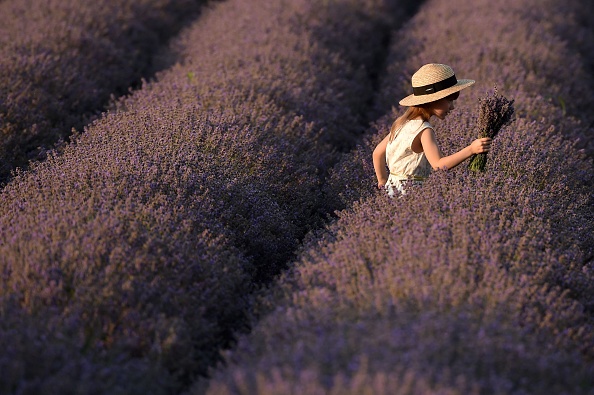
432, 82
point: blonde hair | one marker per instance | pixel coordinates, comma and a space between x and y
410, 113
421, 111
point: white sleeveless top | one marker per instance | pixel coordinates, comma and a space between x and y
402, 161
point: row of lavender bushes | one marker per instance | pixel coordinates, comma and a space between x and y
61, 60
471, 283
127, 260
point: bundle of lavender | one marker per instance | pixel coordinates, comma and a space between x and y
495, 112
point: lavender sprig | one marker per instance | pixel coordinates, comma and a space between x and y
495, 112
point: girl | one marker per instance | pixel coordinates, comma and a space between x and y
410, 149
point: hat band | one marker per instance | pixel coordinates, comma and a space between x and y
438, 86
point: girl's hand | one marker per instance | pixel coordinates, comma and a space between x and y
479, 146
381, 184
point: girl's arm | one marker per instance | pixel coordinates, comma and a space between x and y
379, 162
438, 161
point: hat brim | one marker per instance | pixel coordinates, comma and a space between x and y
412, 100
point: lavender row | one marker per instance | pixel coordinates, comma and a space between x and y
60, 61
469, 284
128, 260
283, 110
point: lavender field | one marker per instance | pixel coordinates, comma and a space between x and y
213, 226
60, 61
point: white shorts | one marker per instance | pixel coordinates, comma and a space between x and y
397, 187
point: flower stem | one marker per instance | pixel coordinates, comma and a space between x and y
478, 162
